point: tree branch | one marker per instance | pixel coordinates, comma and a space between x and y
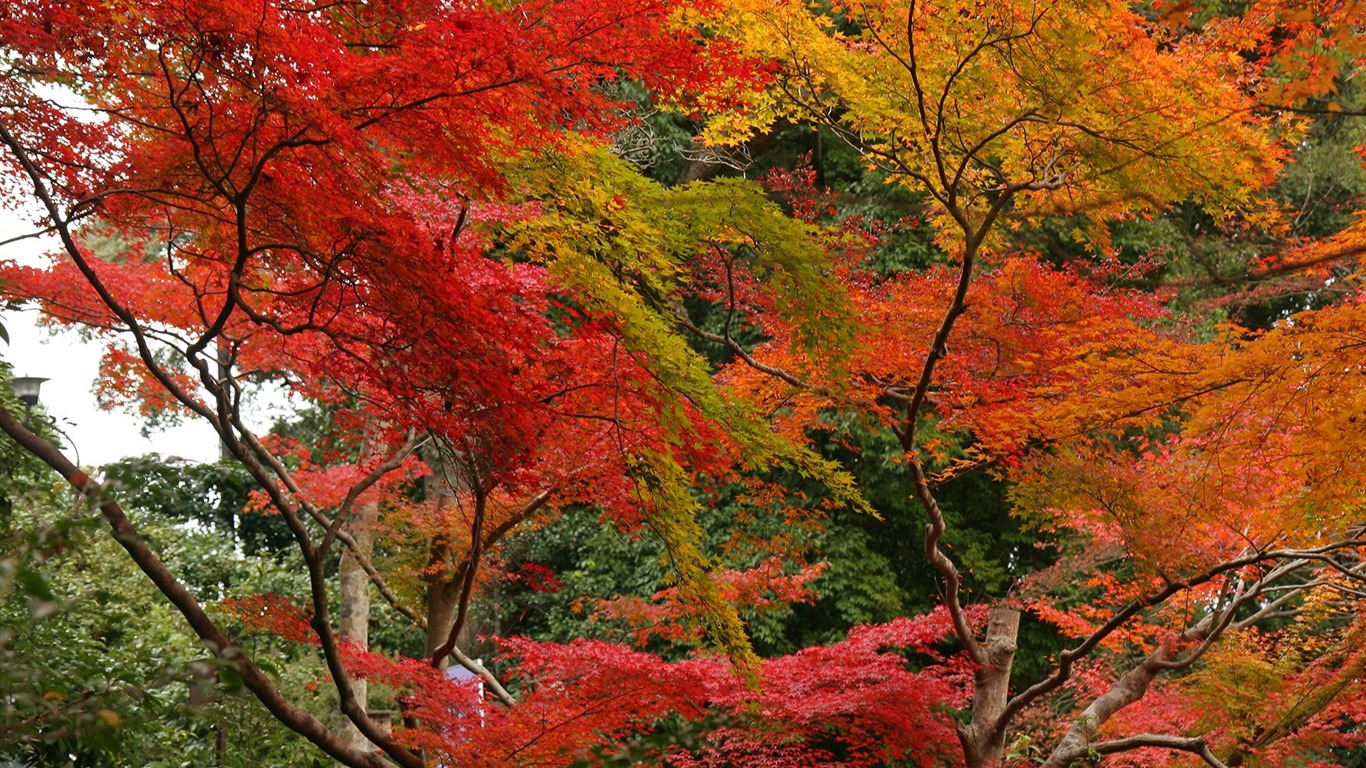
1193, 745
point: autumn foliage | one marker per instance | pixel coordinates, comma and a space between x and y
409, 213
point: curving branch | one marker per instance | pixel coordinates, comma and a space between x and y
1195, 746
73, 250
1068, 658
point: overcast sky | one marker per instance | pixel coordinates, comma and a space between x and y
98, 436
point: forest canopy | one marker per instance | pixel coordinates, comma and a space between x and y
693, 383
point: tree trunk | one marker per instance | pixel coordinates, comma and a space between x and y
443, 593
354, 618
443, 596
983, 741
444, 583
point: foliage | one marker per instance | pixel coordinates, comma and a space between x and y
130, 685
968, 366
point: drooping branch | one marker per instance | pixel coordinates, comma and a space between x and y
321, 622
73, 251
485, 675
271, 474
227, 422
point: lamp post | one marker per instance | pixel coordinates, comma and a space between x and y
26, 389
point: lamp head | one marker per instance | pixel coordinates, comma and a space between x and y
26, 388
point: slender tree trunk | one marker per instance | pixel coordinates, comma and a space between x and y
983, 741
353, 621
234, 524
443, 594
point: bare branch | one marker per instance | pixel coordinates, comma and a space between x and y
1184, 744
485, 675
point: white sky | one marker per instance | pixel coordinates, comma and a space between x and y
98, 436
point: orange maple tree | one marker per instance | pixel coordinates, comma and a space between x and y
1208, 482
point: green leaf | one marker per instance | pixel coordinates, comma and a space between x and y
34, 585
